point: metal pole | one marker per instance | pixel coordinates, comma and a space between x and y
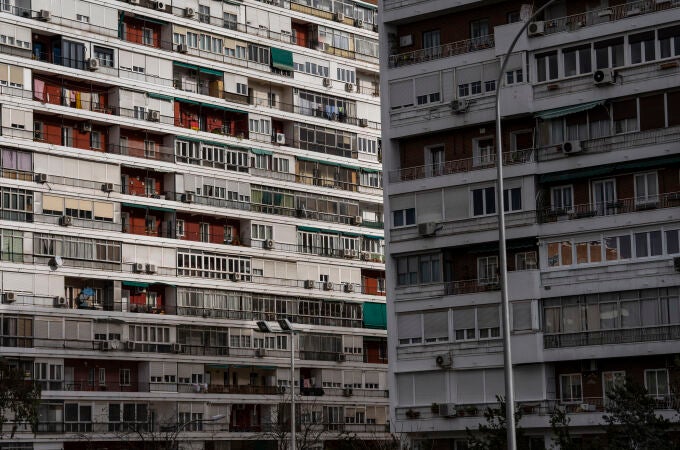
503, 270
292, 390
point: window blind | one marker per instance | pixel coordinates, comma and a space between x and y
463, 318
436, 324
488, 316
408, 326
521, 316
427, 84
430, 387
401, 93
468, 74
52, 203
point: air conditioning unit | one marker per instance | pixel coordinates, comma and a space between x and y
340, 357
349, 253
235, 277
107, 187
375, 28
310, 284
460, 106
41, 178
182, 48
676, 263
349, 87
444, 361
268, 244
357, 220
176, 348
587, 407
339, 17
280, 138
134, 2
160, 6
65, 221
92, 64
9, 297
85, 127
536, 28
104, 346
327, 82
604, 77
44, 14
150, 268
365, 256
154, 116
260, 352
447, 409
59, 302
327, 285
348, 288
570, 147
428, 228
363, 123
138, 267
347, 392
130, 346
188, 197
359, 23
189, 12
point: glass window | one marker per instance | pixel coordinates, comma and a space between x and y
546, 66
484, 201
656, 382
570, 387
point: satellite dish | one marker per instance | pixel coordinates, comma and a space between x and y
56, 261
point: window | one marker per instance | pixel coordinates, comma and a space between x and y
431, 43
512, 199
230, 21
149, 149
588, 252
488, 322
95, 140
67, 136
179, 228
346, 75
561, 199
669, 42
261, 126
484, 201
147, 36
204, 232
610, 380
648, 244
82, 18
104, 56
672, 242
646, 189
281, 165
404, 217
464, 324
366, 145
262, 232
570, 388
479, 33
521, 316
560, 254
487, 270
483, 152
258, 54
546, 66
514, 76
526, 261
604, 196
513, 17
609, 53
418, 269
577, 60
204, 14
656, 382
617, 247
642, 47
436, 160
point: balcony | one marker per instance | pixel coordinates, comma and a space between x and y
606, 15
442, 51
460, 166
622, 206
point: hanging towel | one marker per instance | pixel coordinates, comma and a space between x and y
86, 100
72, 97
39, 90
78, 103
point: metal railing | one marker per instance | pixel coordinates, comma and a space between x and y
470, 286
621, 206
460, 165
616, 336
442, 51
606, 15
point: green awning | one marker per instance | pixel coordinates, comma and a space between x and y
223, 108
344, 233
158, 208
188, 139
282, 59
217, 366
366, 5
375, 238
368, 170
133, 205
375, 315
309, 229
150, 20
327, 163
185, 65
159, 96
565, 111
606, 170
135, 284
189, 102
258, 151
211, 71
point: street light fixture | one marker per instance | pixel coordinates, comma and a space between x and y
503, 271
287, 328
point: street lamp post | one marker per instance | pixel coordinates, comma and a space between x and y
503, 271
287, 328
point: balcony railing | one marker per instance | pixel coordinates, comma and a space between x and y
460, 165
608, 337
471, 286
622, 206
442, 51
605, 15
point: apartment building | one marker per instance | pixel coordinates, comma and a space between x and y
172, 173
591, 158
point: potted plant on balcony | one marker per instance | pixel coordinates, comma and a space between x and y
411, 414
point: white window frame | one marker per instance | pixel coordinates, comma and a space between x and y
645, 198
571, 377
484, 264
657, 395
561, 189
